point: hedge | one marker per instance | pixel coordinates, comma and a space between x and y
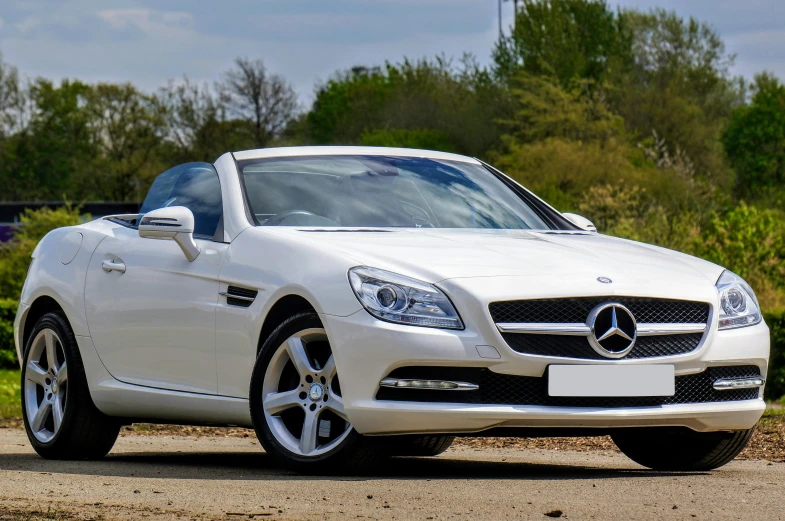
775, 386
775, 381
7, 350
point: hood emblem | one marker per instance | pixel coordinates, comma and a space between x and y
604, 280
613, 330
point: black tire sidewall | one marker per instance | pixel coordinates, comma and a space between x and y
57, 323
272, 446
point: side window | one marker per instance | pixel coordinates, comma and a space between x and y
193, 185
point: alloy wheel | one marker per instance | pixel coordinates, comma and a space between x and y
45, 385
301, 395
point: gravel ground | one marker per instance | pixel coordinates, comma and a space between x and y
768, 442
212, 477
175, 473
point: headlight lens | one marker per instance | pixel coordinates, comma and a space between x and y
395, 298
738, 304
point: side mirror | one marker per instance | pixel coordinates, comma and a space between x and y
581, 222
174, 223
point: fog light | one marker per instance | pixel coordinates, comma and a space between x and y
729, 384
438, 385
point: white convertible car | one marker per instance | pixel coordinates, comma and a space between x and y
353, 302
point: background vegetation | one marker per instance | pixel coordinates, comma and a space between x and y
633, 119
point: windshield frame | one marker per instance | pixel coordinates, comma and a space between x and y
551, 217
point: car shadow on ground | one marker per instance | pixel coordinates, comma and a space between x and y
250, 465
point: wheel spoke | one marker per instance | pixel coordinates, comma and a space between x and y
57, 412
62, 374
275, 403
36, 373
310, 432
51, 357
329, 370
298, 356
335, 404
41, 415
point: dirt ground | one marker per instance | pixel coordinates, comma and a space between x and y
207, 474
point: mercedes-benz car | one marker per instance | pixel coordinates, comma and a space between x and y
349, 303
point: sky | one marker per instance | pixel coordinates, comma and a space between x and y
150, 42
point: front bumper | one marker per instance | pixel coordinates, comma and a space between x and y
367, 350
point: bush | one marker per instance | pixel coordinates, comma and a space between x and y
15, 260
775, 382
15, 255
7, 350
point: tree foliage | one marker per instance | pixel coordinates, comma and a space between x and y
755, 138
255, 95
460, 104
565, 39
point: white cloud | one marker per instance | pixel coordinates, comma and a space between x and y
28, 24
148, 21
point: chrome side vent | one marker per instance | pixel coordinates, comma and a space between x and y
240, 297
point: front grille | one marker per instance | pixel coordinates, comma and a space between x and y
578, 346
501, 389
575, 310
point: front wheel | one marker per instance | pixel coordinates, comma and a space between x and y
59, 415
681, 449
296, 402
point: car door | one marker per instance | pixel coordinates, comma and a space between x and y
151, 312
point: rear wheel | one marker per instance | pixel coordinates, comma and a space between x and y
681, 449
59, 415
428, 445
296, 402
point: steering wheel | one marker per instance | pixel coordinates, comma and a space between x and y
299, 218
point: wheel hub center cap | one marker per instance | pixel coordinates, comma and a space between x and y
315, 392
54, 386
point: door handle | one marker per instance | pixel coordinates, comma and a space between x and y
110, 266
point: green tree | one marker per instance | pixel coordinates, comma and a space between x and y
265, 101
459, 103
198, 126
127, 128
755, 138
566, 39
43, 160
678, 91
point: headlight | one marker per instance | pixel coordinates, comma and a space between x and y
738, 304
395, 298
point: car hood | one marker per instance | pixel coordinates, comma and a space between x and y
437, 255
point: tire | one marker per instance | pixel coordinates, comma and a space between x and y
60, 418
681, 449
305, 395
429, 445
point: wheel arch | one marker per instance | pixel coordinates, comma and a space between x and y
284, 307
42, 305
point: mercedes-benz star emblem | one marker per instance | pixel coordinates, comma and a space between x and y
613, 330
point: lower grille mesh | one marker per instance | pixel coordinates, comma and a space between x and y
503, 389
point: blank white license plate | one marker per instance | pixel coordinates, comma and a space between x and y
611, 380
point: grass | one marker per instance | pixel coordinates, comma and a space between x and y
10, 394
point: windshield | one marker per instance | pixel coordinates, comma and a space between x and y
381, 192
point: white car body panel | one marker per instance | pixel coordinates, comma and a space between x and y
167, 341
164, 345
